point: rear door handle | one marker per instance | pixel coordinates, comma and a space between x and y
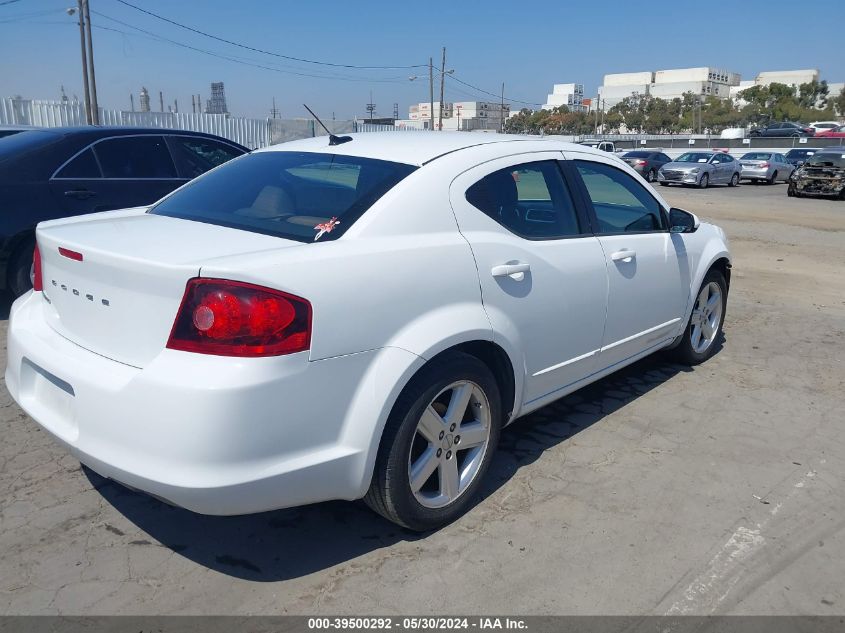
623, 256
80, 194
514, 271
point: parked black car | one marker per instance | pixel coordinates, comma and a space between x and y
785, 129
646, 162
822, 175
60, 172
798, 157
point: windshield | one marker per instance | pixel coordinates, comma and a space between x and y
301, 196
756, 156
827, 159
693, 157
637, 155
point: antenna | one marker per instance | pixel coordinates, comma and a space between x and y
333, 140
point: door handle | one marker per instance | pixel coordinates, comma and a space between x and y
514, 271
623, 256
80, 194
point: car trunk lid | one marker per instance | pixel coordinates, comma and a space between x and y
115, 286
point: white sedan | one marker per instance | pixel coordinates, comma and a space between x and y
353, 319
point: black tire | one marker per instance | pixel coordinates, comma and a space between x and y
390, 493
704, 182
684, 351
772, 179
790, 191
20, 268
664, 184
734, 180
651, 175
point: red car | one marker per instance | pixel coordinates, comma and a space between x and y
837, 132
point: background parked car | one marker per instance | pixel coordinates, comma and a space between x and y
822, 175
768, 167
646, 162
823, 126
8, 130
701, 169
836, 132
605, 146
60, 172
784, 129
797, 156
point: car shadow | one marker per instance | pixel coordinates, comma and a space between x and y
291, 543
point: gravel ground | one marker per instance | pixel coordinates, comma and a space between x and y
657, 490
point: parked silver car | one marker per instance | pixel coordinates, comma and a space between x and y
767, 167
701, 169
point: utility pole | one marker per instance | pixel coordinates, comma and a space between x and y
95, 109
442, 80
161, 100
176, 105
502, 110
85, 87
132, 101
371, 107
431, 89
273, 111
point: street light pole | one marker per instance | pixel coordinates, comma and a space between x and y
95, 110
442, 80
431, 89
86, 91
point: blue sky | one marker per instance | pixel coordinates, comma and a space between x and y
529, 46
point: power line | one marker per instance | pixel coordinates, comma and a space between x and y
8, 2
154, 36
259, 50
482, 91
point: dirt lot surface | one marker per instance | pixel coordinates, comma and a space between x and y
658, 490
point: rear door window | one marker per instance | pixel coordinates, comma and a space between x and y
196, 155
135, 157
304, 196
84, 166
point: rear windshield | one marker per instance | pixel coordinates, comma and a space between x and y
800, 153
756, 156
301, 196
637, 155
827, 159
18, 144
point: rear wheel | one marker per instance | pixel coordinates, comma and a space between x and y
437, 444
734, 180
704, 182
772, 179
20, 268
698, 342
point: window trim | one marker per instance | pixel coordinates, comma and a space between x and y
588, 202
73, 158
162, 134
581, 218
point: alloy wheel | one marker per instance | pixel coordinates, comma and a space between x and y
449, 444
706, 316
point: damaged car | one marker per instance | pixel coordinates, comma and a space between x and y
822, 175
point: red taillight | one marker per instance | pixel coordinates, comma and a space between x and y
766, 165
232, 318
37, 281
640, 162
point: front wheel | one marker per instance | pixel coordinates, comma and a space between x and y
698, 342
651, 175
437, 444
734, 180
790, 191
704, 182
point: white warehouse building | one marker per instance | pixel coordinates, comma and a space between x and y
569, 95
460, 115
667, 84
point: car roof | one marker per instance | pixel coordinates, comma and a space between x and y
92, 132
415, 147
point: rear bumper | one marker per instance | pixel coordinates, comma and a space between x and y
212, 434
750, 173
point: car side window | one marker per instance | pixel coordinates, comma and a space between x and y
530, 200
84, 166
135, 157
621, 204
195, 155
727, 158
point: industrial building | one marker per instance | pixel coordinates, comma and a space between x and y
217, 103
569, 95
145, 100
667, 84
792, 78
460, 115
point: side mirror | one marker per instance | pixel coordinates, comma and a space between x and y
681, 221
